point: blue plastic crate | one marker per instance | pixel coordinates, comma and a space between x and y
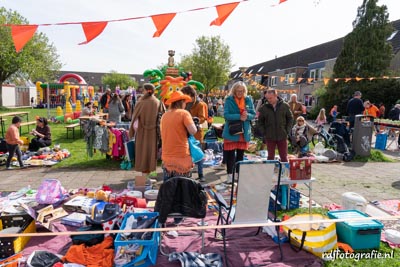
149, 254
381, 140
358, 234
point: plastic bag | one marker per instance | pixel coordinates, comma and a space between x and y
50, 191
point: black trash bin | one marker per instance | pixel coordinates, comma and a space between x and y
362, 135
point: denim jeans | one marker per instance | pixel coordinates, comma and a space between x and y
14, 149
200, 165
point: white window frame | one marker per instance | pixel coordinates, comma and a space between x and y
289, 76
317, 74
274, 80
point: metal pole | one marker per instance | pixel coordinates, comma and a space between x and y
48, 100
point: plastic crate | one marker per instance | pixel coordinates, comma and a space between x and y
11, 245
381, 140
358, 234
300, 169
148, 256
11, 220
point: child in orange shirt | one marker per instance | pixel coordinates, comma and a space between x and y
371, 109
13, 141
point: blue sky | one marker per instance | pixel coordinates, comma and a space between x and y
256, 31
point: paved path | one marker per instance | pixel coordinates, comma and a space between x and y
375, 181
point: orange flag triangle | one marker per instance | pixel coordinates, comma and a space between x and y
347, 80
21, 34
161, 22
326, 80
223, 13
281, 1
309, 80
92, 30
359, 79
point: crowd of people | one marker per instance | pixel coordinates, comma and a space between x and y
164, 127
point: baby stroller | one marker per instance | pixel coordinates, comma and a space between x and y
341, 136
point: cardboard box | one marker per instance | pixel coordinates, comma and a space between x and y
46, 215
81, 204
300, 169
75, 219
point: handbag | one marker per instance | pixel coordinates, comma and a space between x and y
316, 238
235, 127
195, 149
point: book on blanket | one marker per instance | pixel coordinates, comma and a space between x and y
75, 219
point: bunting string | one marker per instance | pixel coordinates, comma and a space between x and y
21, 34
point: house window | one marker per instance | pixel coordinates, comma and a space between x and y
317, 74
290, 78
274, 80
308, 100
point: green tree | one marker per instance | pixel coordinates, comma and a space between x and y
38, 58
366, 53
114, 79
210, 62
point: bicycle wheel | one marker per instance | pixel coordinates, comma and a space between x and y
316, 138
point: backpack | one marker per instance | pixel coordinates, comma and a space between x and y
50, 191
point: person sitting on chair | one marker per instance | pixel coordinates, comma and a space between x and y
299, 133
42, 135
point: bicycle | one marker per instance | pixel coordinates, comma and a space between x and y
324, 137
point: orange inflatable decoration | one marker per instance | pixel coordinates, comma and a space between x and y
170, 85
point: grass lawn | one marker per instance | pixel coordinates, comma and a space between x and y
77, 146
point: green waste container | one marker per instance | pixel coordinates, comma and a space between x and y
362, 135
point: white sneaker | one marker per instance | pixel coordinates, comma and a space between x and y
229, 179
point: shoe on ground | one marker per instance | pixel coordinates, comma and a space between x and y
23, 167
202, 178
229, 179
9, 168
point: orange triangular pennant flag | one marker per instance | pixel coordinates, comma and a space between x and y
281, 1
92, 30
223, 13
347, 79
337, 79
161, 22
291, 80
371, 78
281, 78
299, 80
385, 77
309, 80
21, 34
359, 79
326, 80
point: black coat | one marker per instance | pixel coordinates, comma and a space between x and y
181, 195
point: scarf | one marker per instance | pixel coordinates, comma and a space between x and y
241, 104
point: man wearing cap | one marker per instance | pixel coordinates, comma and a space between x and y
145, 128
355, 106
105, 99
175, 125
